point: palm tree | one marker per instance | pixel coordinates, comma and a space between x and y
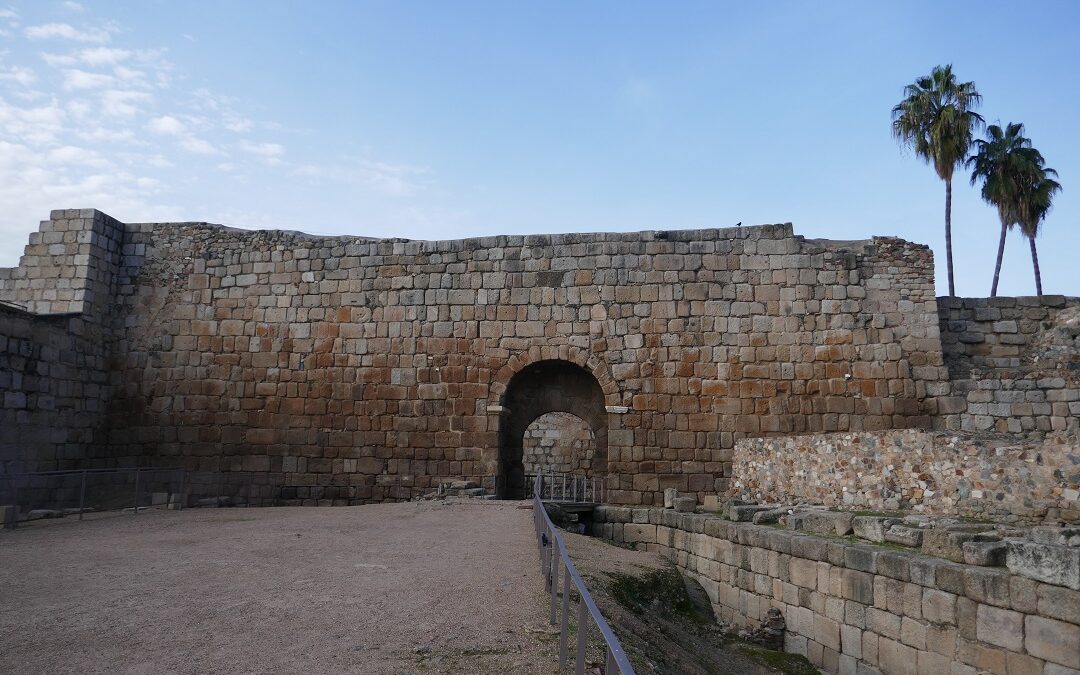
1035, 202
937, 120
1005, 162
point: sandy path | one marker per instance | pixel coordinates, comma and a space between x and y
393, 588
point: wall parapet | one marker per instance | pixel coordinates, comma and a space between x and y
862, 608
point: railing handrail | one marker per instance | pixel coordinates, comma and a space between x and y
615, 654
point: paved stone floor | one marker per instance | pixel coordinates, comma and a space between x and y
396, 588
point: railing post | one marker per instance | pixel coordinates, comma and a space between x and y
82, 495
14, 523
180, 496
136, 511
564, 629
554, 584
582, 632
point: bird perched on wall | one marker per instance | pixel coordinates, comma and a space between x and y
738, 224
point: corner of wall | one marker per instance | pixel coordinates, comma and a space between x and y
69, 265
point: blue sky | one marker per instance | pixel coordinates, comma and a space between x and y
446, 120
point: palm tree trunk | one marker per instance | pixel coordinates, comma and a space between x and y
1035, 264
948, 233
1001, 254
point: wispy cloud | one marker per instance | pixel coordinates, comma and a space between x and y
103, 56
199, 146
394, 180
166, 124
75, 79
65, 31
19, 75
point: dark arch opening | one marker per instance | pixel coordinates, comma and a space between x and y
537, 389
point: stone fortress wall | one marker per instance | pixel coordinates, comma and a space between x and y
363, 363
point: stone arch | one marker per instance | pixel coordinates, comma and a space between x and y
541, 387
575, 355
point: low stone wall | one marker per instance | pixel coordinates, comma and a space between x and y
854, 608
1005, 479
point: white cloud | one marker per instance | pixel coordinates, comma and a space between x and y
103, 56
8, 14
166, 124
40, 125
123, 103
65, 31
57, 60
199, 146
75, 79
394, 180
72, 6
268, 150
18, 75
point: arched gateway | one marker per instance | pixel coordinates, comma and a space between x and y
537, 389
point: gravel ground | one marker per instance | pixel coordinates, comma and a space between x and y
419, 587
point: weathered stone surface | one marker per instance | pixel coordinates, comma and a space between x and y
984, 553
1052, 640
945, 543
904, 535
1058, 565
820, 521
766, 517
1000, 627
685, 504
872, 528
745, 513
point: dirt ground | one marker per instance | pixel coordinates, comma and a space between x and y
419, 587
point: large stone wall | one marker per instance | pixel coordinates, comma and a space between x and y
856, 608
1014, 363
943, 473
334, 361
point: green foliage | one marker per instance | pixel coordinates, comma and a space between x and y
937, 119
662, 589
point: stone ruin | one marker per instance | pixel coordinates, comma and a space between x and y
782, 387
379, 369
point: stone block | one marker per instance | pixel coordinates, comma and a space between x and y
685, 504
905, 536
819, 521
872, 528
939, 607
669, 497
639, 533
745, 513
1052, 640
984, 553
1058, 603
897, 658
1000, 627
945, 543
1052, 564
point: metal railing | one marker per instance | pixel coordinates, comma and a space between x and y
553, 556
566, 487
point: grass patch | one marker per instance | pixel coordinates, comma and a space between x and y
789, 664
657, 590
